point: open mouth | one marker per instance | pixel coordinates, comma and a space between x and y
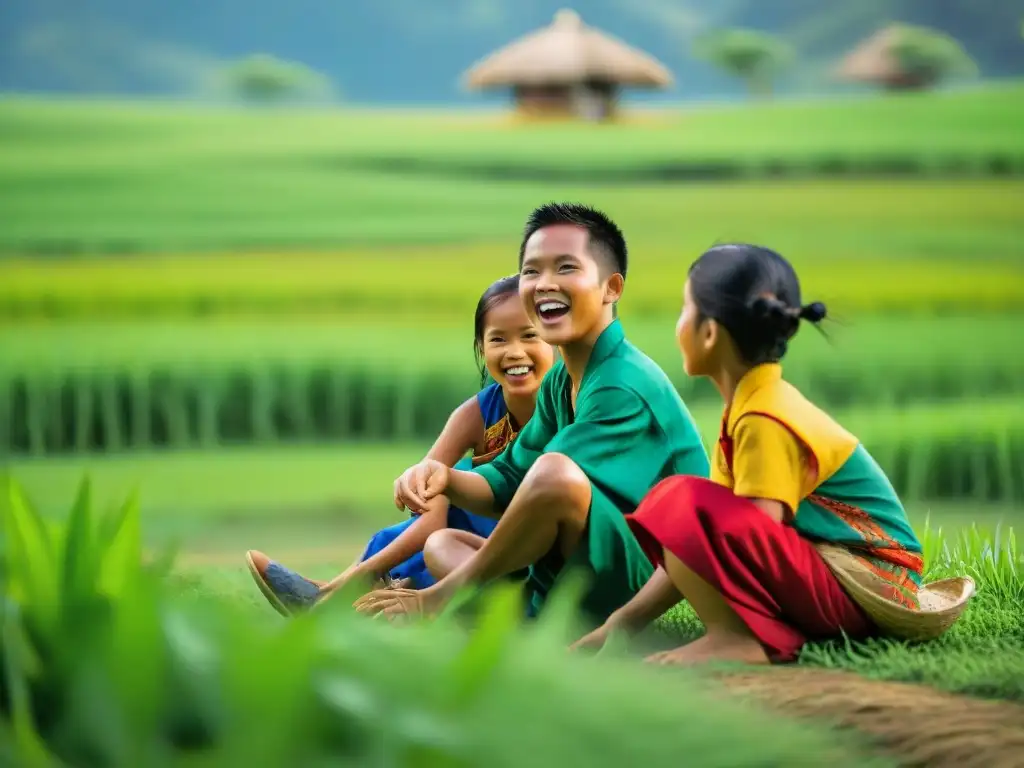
551, 310
517, 372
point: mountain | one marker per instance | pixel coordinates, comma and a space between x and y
413, 51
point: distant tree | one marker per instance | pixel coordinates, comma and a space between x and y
755, 57
926, 57
263, 78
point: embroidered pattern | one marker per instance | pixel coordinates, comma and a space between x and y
496, 439
881, 554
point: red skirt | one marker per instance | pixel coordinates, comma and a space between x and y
769, 574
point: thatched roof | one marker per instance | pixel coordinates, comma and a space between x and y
873, 60
566, 52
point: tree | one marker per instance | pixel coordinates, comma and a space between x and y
264, 78
926, 57
755, 57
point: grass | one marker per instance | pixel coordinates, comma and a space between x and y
215, 613
166, 679
302, 506
982, 655
301, 498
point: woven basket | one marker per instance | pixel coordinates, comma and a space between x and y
942, 602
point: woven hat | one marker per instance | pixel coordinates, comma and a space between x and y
942, 602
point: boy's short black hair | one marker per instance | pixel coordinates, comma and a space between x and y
606, 241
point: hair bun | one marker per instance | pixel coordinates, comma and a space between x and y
814, 312
769, 308
777, 319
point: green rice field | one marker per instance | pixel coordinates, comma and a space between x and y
905, 246
122, 178
256, 319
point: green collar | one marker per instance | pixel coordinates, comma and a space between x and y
609, 340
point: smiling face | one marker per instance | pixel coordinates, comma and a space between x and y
562, 287
513, 352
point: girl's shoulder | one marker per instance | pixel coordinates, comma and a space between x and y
781, 401
492, 404
829, 442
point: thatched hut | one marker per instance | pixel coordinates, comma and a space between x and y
874, 61
567, 69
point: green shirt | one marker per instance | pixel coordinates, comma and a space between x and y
630, 429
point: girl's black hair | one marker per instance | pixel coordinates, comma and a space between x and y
755, 294
496, 293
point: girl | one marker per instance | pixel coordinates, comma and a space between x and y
799, 534
507, 347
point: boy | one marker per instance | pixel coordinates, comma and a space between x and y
608, 426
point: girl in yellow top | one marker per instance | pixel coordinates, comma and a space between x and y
744, 548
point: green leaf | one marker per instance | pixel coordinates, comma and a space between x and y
137, 663
482, 654
559, 623
269, 711
81, 556
19, 665
32, 568
122, 558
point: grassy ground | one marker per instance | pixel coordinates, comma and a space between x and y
196, 679
316, 504
300, 507
982, 656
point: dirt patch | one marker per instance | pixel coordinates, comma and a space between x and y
919, 726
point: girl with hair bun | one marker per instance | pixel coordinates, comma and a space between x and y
799, 534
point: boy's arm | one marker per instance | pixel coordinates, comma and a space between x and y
609, 419
461, 433
610, 439
488, 489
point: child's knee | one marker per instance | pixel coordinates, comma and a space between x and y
437, 549
554, 477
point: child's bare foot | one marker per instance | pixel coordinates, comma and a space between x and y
717, 646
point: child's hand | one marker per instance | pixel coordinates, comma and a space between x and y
419, 484
593, 641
